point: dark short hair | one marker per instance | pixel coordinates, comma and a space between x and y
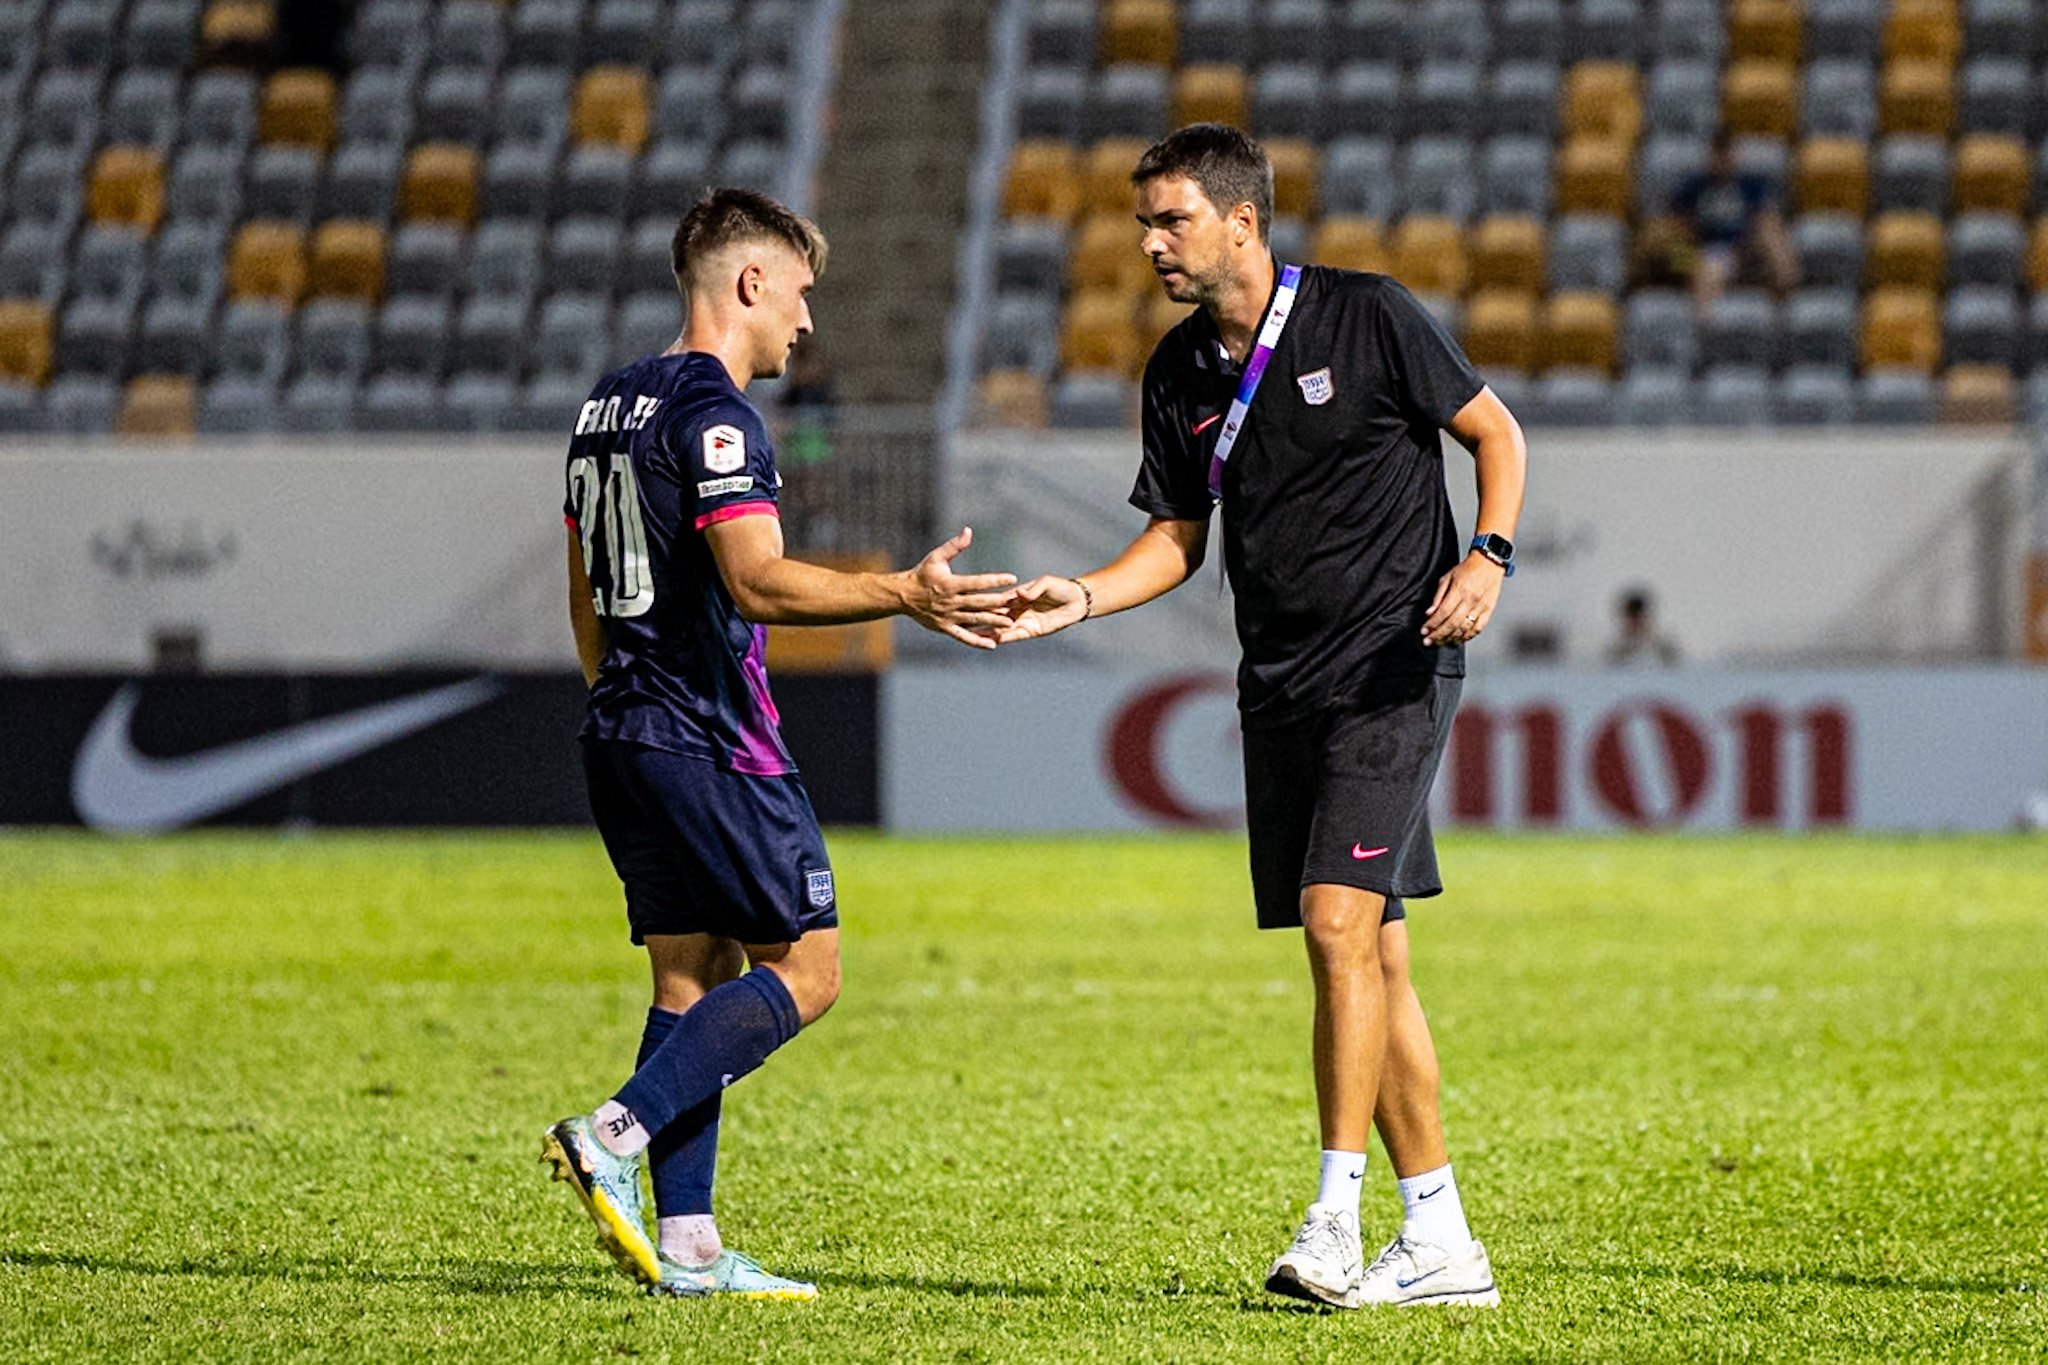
1230, 167
1635, 602
725, 216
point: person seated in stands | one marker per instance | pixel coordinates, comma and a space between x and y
1737, 229
1640, 642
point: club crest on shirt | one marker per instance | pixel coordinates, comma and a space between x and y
725, 449
1316, 387
818, 886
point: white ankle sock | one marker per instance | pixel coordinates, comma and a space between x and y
690, 1238
618, 1132
1434, 1213
1343, 1173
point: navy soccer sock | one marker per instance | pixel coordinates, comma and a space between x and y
723, 1037
683, 1158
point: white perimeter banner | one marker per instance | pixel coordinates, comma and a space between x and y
1029, 748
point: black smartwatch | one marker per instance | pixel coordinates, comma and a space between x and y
1499, 549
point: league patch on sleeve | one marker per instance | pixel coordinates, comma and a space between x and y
725, 449
818, 885
712, 488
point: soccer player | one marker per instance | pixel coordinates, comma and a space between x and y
1308, 400
675, 565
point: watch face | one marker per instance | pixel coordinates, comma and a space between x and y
1500, 547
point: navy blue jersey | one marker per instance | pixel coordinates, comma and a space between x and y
666, 447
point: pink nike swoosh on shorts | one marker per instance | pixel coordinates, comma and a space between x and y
1361, 852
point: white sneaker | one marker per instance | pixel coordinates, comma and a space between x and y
1409, 1273
1324, 1263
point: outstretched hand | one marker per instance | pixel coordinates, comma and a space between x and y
1043, 607
972, 608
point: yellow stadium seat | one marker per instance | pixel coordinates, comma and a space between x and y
1295, 167
1833, 174
1901, 330
1500, 329
1923, 28
1106, 176
1917, 95
1350, 243
1761, 97
439, 185
1579, 328
347, 261
127, 188
157, 405
1768, 29
1209, 94
26, 337
1101, 333
1602, 99
1594, 176
1011, 398
1042, 182
1508, 253
298, 108
2037, 257
1990, 173
1979, 395
1139, 31
1429, 255
268, 260
610, 107
1905, 249
1105, 255
237, 32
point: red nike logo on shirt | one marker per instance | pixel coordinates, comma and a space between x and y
1207, 422
1361, 852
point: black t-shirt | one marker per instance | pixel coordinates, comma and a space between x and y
1337, 523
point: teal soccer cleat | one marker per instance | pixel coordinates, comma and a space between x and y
731, 1276
609, 1188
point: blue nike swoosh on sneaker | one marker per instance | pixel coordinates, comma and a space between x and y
1405, 1284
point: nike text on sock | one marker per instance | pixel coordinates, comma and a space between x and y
618, 1131
1343, 1173
1432, 1210
690, 1239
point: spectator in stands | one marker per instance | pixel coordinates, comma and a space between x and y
1738, 232
1640, 642
314, 33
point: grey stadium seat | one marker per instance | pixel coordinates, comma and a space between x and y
671, 178
283, 182
1444, 99
1437, 177
142, 109
80, 34
81, 405
1820, 328
1688, 30
17, 42
1358, 178
1735, 396
1588, 251
1766, 157
646, 323
1514, 176
689, 105
387, 33
21, 407
753, 166
1051, 101
1830, 249
362, 182
469, 33
1365, 100
400, 402
94, 335
592, 183
2003, 28
533, 108
1816, 395
771, 30
1569, 397
1683, 97
1986, 248
376, 107
1839, 99
334, 338
1371, 31
2036, 344
1290, 238
1031, 254
1995, 96
1658, 331
1607, 30
490, 335
412, 335
1521, 100
109, 263
32, 264
187, 263
252, 340
584, 255
64, 112
1211, 31
318, 403
1654, 397
161, 34
1981, 326
504, 261
1091, 401
1449, 30
1022, 333
572, 336
45, 187
620, 31
517, 183
1509, 385
1533, 30
238, 403
479, 402
1910, 171
424, 258
1667, 159
1895, 398
220, 109
1128, 100
1290, 29
174, 337
454, 106
546, 33
1739, 328
2037, 398
550, 402
1845, 28
701, 34
645, 261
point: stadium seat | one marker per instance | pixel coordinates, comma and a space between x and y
549, 403
1917, 95
376, 107
1990, 174
1924, 30
109, 263
1129, 101
1428, 255
1608, 30
1839, 100
504, 261
1688, 30
1579, 330
454, 106
1211, 31
1437, 178
1667, 161
1572, 396
160, 35
1816, 395
1500, 329
127, 188
1210, 93
1832, 175
1288, 100
1051, 102
1988, 249
1685, 99
1979, 395
2037, 256
1844, 28
64, 112
1106, 175
760, 103
1514, 176
592, 182
1764, 29
237, 32
1600, 100
253, 340
158, 405
412, 335
174, 337
1739, 328
1587, 252
143, 110
333, 338
1906, 249
187, 263
1652, 397
1761, 97
1448, 30
1106, 256
1658, 331
1444, 99
362, 182
27, 341
1022, 333
572, 337
93, 337
2035, 346
1014, 399
1090, 401
1911, 172
1981, 325
1593, 176
1370, 30
45, 187
1350, 243
1533, 30
317, 403
220, 109
440, 184
238, 404
703, 33
347, 261
584, 256
397, 401
1820, 328
620, 32
1507, 252
298, 108
1893, 396
1901, 329
81, 405
549, 33
2002, 28
1294, 176
268, 261
1521, 100
1138, 31
283, 183
1997, 94
1061, 31
1735, 396
1100, 334
425, 259
1359, 179
387, 33
611, 107
1043, 182
755, 166
672, 174
490, 336
517, 183
32, 262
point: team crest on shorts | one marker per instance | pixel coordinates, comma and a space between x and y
818, 886
1315, 386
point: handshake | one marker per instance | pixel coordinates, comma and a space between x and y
986, 610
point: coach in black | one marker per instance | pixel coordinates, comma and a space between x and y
1308, 401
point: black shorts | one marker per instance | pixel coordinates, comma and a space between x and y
1342, 797
705, 851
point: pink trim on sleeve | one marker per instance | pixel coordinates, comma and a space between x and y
738, 509
570, 522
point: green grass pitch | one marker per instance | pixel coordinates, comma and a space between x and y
272, 1098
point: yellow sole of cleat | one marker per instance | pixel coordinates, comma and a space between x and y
616, 1235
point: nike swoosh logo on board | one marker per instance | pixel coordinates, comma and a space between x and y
116, 786
1361, 852
1211, 420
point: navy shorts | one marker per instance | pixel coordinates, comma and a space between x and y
705, 851
1341, 797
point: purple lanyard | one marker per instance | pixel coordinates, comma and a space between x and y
1254, 371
